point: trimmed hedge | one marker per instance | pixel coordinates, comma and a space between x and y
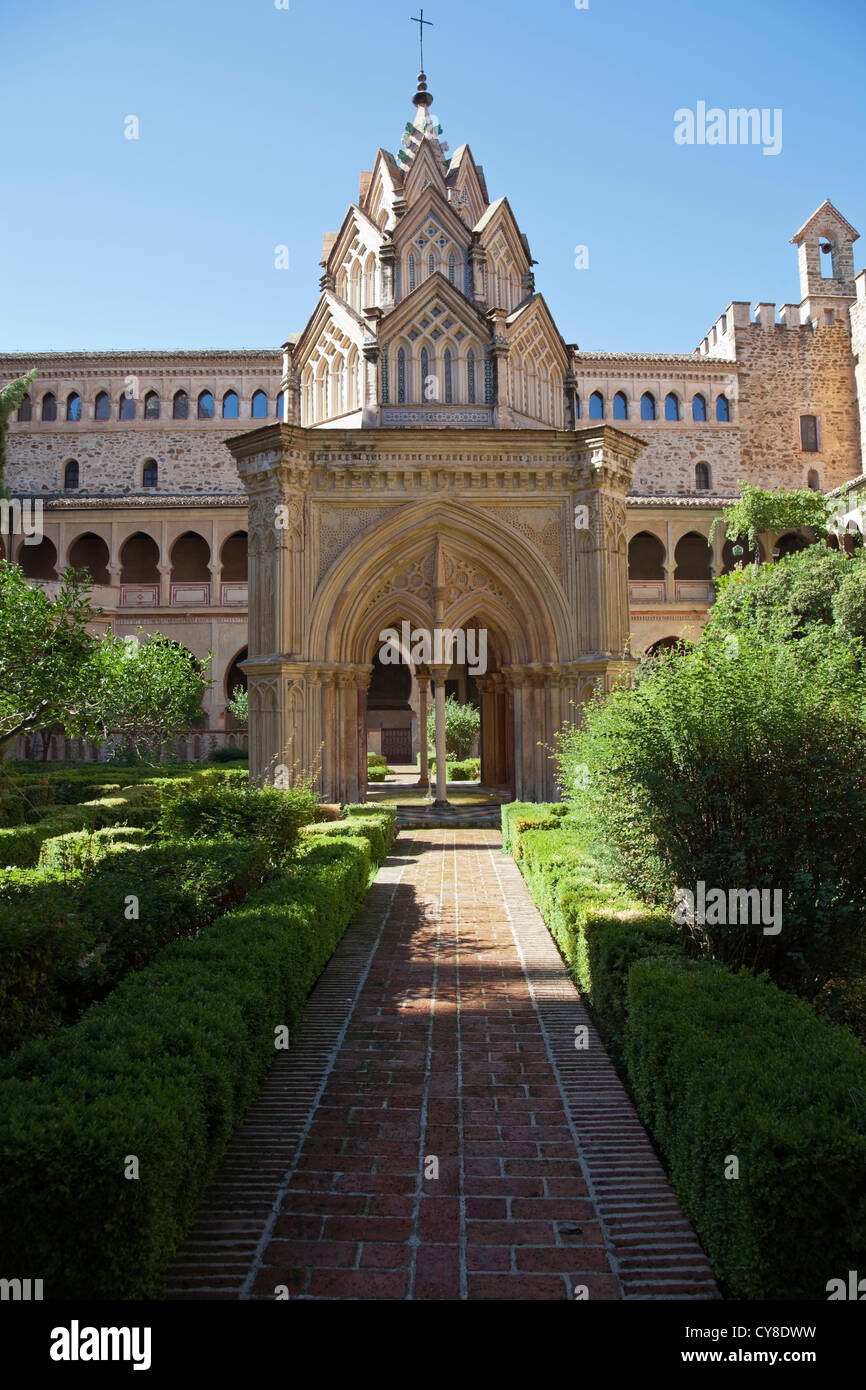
386, 816
369, 828
466, 770
80, 849
534, 813
66, 942
164, 1070
20, 846
728, 1064
207, 811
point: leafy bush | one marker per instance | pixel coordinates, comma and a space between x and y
844, 1001
469, 770
21, 846
373, 829
67, 942
530, 812
164, 1069
376, 760
462, 727
703, 772
728, 1065
376, 774
227, 754
384, 816
784, 600
268, 814
81, 849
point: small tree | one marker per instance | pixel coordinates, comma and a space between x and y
239, 705
758, 510
462, 726
146, 689
11, 397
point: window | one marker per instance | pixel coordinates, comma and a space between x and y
411, 273
813, 481
826, 258
431, 264
278, 408
205, 406
231, 405
596, 406
470, 377
102, 407
723, 410
25, 410
809, 434
70, 476
449, 387
647, 406
620, 406
150, 473
699, 408
259, 406
151, 406
702, 477
180, 406
401, 377
451, 268
829, 318
426, 392
126, 408
672, 406
576, 406
73, 407
49, 406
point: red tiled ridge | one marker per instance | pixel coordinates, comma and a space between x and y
442, 1028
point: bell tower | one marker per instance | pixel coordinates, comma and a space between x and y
826, 250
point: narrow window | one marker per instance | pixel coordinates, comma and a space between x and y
180, 406
126, 407
49, 406
596, 406
25, 410
620, 406
809, 434
102, 407
723, 411
431, 264
814, 482
151, 406
576, 406
70, 476
150, 473
449, 390
411, 273
205, 406
702, 477
699, 408
73, 407
672, 406
647, 406
231, 405
401, 377
451, 268
470, 377
259, 406
426, 393
278, 409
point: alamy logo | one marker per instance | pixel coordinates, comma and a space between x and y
737, 126
854, 1290
20, 1290
19, 518
442, 646
76, 1343
737, 907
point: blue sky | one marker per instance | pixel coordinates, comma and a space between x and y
256, 121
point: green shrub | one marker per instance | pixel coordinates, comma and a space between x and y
385, 815
163, 1069
228, 754
79, 849
844, 1001
20, 847
725, 1065
376, 760
268, 814
469, 770
67, 942
527, 810
376, 774
369, 828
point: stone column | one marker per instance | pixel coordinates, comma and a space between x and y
423, 688
216, 570
370, 408
164, 585
440, 674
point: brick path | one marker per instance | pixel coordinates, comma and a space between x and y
443, 1029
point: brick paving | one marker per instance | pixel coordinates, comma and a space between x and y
434, 1133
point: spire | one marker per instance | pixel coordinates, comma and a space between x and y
424, 127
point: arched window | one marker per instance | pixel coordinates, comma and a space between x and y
723, 410
205, 405
411, 273
576, 406
699, 408
126, 407
25, 410
620, 406
49, 406
646, 557
813, 481
428, 387
596, 406
431, 264
90, 552
470, 377
150, 473
693, 558
672, 406
702, 477
70, 476
449, 384
401, 377
231, 405
73, 407
647, 406
370, 281
102, 407
259, 406
278, 408
151, 406
355, 285
451, 268
180, 406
